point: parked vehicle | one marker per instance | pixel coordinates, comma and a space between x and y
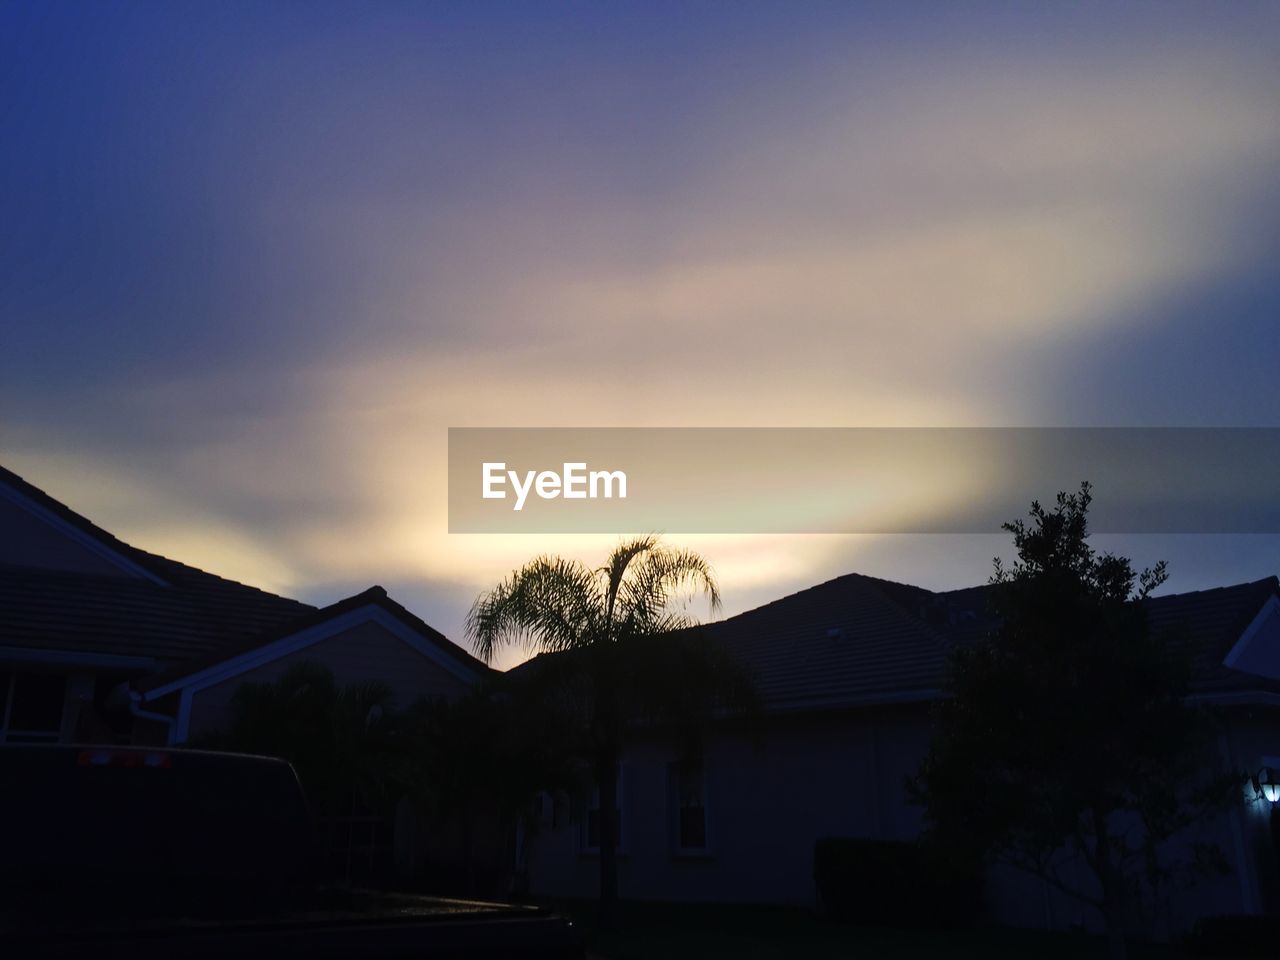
125, 851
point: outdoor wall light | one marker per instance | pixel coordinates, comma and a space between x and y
1266, 783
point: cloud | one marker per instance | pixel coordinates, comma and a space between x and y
920, 237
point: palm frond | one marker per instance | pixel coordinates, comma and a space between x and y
615, 568
661, 577
549, 604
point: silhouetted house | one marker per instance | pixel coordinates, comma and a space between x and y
848, 670
101, 641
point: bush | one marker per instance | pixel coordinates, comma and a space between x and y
884, 882
1235, 935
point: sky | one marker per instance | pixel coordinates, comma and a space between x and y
255, 259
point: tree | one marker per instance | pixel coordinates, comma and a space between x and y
1067, 732
618, 628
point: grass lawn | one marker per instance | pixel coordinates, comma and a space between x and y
662, 931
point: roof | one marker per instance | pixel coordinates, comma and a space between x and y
178, 617
859, 639
175, 613
375, 596
152, 564
1212, 621
123, 616
849, 639
1209, 622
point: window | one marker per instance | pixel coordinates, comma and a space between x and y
591, 826
688, 806
31, 707
356, 846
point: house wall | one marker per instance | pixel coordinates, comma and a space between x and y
1016, 898
767, 803
365, 652
1253, 741
843, 775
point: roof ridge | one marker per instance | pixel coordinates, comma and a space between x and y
188, 569
936, 636
854, 576
1272, 580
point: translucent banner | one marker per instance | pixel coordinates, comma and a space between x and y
857, 480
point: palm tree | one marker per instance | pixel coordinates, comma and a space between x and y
615, 623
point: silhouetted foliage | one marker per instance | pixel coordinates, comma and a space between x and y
480, 761
472, 764
1067, 733
344, 742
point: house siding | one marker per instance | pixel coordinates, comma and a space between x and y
768, 800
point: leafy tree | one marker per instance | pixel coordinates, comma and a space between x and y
624, 658
1067, 733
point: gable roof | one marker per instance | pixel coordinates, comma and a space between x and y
175, 612
79, 528
177, 619
848, 640
260, 646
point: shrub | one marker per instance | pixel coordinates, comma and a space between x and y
885, 882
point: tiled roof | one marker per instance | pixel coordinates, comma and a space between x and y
183, 614
184, 619
858, 639
1208, 621
375, 595
849, 639
151, 563
1212, 621
195, 615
